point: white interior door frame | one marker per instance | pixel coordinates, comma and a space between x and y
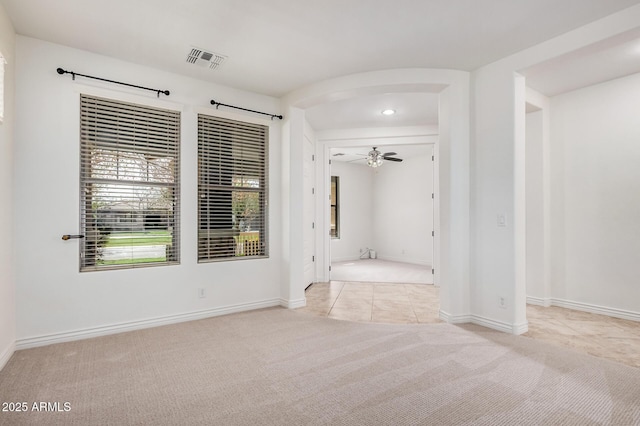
323, 182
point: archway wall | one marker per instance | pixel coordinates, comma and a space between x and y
498, 207
452, 196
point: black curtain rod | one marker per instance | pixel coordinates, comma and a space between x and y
218, 104
73, 76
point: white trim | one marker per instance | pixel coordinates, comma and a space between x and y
596, 309
521, 328
493, 324
293, 304
505, 327
409, 260
49, 339
128, 96
5, 356
454, 319
539, 301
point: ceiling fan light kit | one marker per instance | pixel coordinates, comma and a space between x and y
375, 158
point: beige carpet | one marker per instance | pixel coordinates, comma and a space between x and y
380, 271
281, 367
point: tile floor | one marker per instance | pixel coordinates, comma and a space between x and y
374, 302
598, 335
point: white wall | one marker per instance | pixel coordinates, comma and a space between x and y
403, 211
595, 196
535, 205
356, 211
53, 298
497, 185
7, 284
452, 168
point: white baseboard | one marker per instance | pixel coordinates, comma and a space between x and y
49, 339
521, 328
585, 307
454, 319
596, 309
6, 354
293, 304
493, 324
409, 260
485, 322
539, 301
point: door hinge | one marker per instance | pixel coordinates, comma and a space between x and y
313, 258
329, 162
313, 191
433, 271
329, 268
433, 158
433, 233
432, 195
313, 157
313, 225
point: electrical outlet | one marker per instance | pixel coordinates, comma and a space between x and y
201, 293
503, 302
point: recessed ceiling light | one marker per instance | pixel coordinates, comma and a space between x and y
388, 112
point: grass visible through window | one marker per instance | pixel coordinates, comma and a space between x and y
123, 248
145, 238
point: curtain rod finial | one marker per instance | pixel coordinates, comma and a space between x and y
60, 71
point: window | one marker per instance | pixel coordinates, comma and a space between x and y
129, 185
335, 207
232, 189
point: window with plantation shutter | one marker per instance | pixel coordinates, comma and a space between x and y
232, 189
129, 185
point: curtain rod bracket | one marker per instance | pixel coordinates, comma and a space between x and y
73, 77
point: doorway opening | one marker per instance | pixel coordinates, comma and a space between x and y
382, 224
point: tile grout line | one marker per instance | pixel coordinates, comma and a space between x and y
373, 292
337, 297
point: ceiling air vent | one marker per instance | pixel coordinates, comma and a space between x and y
205, 59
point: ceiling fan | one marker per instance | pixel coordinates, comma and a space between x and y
375, 158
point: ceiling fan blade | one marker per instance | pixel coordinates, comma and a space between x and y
389, 153
357, 159
397, 160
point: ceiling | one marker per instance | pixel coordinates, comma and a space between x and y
606, 60
411, 109
276, 46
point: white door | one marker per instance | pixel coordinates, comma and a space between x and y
309, 206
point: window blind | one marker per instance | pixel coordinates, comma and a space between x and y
129, 184
232, 189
